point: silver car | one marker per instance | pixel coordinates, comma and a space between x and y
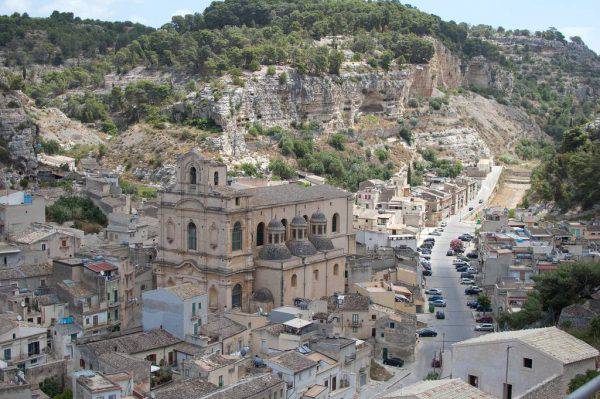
484, 327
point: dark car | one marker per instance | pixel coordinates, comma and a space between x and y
464, 238
429, 239
426, 245
426, 251
440, 314
470, 208
393, 361
426, 272
426, 267
462, 269
467, 275
435, 298
472, 255
450, 253
485, 319
471, 291
473, 304
427, 332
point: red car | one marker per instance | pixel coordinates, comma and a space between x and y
484, 319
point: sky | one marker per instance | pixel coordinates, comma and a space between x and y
575, 17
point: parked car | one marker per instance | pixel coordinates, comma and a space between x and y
467, 281
481, 200
426, 272
461, 269
440, 303
440, 314
470, 208
425, 251
473, 304
484, 327
472, 291
426, 257
393, 361
424, 262
464, 238
471, 270
427, 332
429, 239
467, 275
443, 224
426, 266
435, 233
450, 253
463, 258
472, 255
435, 298
485, 319
433, 291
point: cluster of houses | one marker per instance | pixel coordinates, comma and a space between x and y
511, 250
392, 213
217, 288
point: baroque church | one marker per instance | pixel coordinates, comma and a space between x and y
252, 246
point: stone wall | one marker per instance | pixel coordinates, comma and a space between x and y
549, 389
18, 133
52, 369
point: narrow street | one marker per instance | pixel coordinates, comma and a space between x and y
459, 322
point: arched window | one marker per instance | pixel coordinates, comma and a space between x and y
336, 269
335, 221
284, 223
236, 237
260, 234
216, 178
236, 296
193, 175
294, 280
191, 235
316, 275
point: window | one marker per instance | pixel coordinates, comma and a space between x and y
392, 325
355, 318
336, 269
294, 280
63, 243
5, 261
7, 354
192, 175
335, 222
43, 247
193, 309
373, 317
507, 391
216, 178
112, 396
382, 334
33, 348
473, 380
236, 237
527, 363
192, 240
237, 201
316, 275
260, 234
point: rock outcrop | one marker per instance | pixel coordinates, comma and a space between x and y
331, 100
18, 132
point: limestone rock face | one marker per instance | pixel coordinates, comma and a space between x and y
18, 132
481, 73
331, 100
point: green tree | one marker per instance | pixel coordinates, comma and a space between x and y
51, 387
484, 301
282, 169
581, 379
337, 141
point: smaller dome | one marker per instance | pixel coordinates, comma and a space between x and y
299, 221
321, 243
274, 252
263, 295
301, 248
276, 225
318, 217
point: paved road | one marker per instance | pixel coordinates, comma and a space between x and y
459, 321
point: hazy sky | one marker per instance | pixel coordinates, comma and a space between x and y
575, 17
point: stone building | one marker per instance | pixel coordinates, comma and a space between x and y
288, 239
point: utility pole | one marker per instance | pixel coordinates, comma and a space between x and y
505, 395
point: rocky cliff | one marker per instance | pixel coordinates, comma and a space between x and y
18, 132
331, 100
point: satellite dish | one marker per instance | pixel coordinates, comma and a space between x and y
19, 318
23, 304
102, 272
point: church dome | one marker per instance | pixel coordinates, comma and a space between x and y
318, 217
299, 221
274, 252
263, 295
321, 243
276, 225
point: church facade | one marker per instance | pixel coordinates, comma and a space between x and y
247, 246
